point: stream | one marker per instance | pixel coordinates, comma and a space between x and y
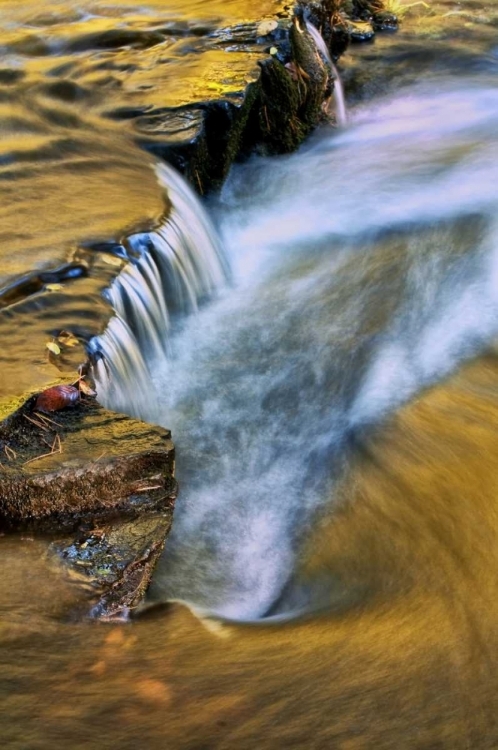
330, 377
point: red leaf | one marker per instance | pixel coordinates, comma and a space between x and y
56, 398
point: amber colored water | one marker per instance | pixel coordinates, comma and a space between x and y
397, 648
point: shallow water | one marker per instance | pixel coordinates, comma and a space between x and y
72, 175
334, 410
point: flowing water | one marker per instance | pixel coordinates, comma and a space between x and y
326, 358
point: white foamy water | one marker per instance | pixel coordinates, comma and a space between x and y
341, 113
173, 269
364, 269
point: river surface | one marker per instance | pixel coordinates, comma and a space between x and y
331, 580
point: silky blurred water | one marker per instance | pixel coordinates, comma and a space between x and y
353, 290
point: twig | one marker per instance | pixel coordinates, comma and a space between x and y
36, 423
37, 458
265, 112
53, 450
199, 181
10, 453
58, 441
47, 419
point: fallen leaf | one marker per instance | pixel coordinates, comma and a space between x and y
56, 398
111, 260
53, 347
85, 388
67, 339
266, 27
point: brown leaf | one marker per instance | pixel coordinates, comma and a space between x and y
66, 338
85, 388
56, 398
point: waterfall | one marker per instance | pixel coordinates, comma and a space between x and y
339, 98
172, 270
353, 290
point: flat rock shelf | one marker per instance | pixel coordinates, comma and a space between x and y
103, 482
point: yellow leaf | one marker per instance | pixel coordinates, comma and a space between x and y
85, 388
52, 347
66, 338
111, 260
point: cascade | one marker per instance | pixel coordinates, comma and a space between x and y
172, 270
341, 113
364, 272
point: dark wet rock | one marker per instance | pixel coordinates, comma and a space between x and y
338, 40
179, 137
360, 31
290, 97
30, 284
106, 479
269, 110
236, 109
116, 561
385, 21
365, 9
81, 463
315, 86
330, 22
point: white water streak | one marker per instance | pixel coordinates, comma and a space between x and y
330, 327
181, 264
341, 113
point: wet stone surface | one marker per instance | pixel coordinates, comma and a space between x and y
115, 562
104, 480
83, 97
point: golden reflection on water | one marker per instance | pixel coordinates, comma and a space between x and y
71, 170
410, 665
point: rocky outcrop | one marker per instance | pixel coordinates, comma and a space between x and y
103, 478
276, 84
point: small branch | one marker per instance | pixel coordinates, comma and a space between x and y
10, 453
36, 423
53, 450
44, 418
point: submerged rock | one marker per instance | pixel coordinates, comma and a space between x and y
385, 21
116, 561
